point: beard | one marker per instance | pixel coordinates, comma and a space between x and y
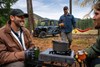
97, 24
19, 23
22, 24
97, 27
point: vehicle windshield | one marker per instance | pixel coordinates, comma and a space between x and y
42, 24
48, 23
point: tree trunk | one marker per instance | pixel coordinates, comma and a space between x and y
70, 5
31, 16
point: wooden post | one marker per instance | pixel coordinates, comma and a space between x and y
31, 16
70, 5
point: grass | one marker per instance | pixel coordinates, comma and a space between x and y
78, 42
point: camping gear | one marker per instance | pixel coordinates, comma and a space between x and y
60, 47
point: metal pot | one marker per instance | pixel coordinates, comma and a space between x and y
60, 46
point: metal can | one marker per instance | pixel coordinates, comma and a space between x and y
37, 52
81, 55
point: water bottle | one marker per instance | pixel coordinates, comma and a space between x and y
37, 52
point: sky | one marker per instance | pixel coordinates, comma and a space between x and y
53, 9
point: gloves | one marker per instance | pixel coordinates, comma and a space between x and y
81, 55
30, 54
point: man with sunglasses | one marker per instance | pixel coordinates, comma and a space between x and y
16, 46
66, 24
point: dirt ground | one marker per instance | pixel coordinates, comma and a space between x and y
80, 41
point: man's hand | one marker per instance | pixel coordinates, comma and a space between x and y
61, 24
81, 55
75, 30
30, 54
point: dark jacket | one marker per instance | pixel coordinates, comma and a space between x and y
10, 49
94, 50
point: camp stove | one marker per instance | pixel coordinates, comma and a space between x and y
59, 53
50, 55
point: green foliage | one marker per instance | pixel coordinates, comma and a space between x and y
2, 21
85, 23
4, 10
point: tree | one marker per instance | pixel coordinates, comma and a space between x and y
5, 7
70, 5
31, 15
85, 23
83, 3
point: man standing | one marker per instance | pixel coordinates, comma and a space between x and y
15, 41
66, 24
93, 53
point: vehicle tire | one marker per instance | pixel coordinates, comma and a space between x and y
42, 34
35, 34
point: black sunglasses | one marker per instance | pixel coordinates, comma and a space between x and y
65, 9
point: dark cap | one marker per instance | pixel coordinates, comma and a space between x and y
65, 8
18, 12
